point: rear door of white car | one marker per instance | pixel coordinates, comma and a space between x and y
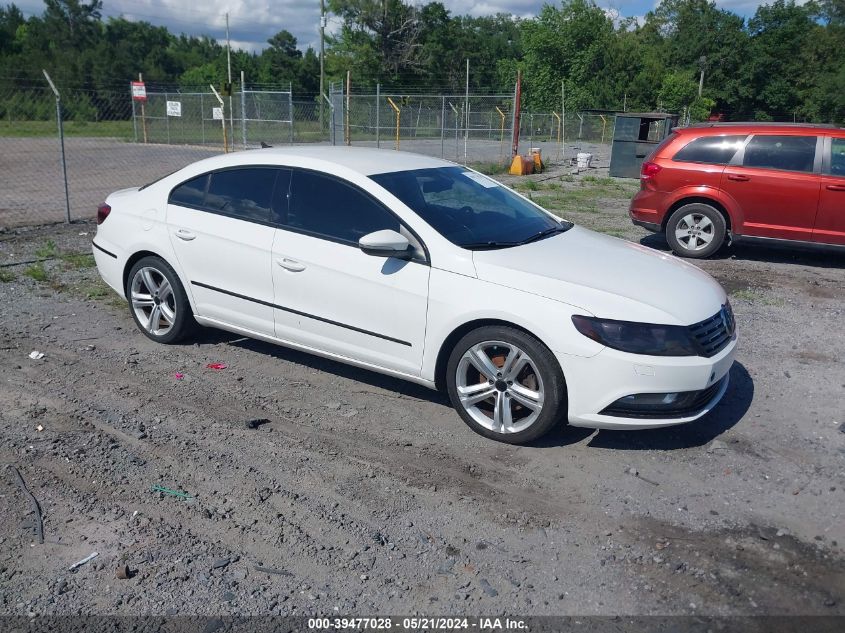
221, 230
371, 309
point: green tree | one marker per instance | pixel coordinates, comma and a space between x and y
569, 43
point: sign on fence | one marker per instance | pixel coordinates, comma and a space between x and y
217, 114
174, 108
139, 91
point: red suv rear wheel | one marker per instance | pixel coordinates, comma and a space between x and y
696, 230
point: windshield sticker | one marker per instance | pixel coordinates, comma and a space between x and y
484, 181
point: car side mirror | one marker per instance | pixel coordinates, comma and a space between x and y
386, 243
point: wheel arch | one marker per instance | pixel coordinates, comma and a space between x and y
711, 201
455, 335
139, 255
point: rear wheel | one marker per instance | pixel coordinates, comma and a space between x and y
158, 301
505, 384
696, 230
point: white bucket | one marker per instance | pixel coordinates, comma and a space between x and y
584, 160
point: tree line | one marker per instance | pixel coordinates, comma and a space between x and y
787, 61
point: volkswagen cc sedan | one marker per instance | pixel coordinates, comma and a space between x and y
425, 270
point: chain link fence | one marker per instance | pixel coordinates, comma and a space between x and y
61, 156
462, 128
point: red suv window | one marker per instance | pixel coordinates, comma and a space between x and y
791, 153
715, 150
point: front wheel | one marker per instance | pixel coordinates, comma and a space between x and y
505, 384
158, 301
696, 230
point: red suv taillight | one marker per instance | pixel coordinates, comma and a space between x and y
649, 170
103, 212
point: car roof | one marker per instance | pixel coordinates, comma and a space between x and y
754, 127
364, 160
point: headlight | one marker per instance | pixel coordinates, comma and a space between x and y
638, 338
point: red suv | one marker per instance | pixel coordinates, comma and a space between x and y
768, 183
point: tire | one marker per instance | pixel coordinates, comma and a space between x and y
176, 319
696, 230
523, 402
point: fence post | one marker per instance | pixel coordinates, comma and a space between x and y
347, 129
202, 117
61, 142
331, 112
134, 118
378, 114
290, 108
443, 127
167, 117
243, 109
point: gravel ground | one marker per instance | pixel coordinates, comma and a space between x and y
363, 494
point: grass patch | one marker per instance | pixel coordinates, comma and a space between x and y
47, 250
77, 261
112, 129
491, 169
612, 232
36, 272
598, 181
6, 276
753, 296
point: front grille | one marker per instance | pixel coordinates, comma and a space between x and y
713, 334
689, 403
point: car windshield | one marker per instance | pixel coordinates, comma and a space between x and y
469, 209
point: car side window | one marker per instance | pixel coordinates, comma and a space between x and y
714, 150
328, 207
790, 153
190, 193
837, 157
243, 193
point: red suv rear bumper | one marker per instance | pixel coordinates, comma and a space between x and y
646, 209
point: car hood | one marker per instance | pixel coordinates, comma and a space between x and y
606, 276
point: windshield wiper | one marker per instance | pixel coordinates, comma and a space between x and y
488, 245
546, 233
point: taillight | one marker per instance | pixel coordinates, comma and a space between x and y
649, 170
103, 212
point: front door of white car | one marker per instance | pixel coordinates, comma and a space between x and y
372, 309
222, 235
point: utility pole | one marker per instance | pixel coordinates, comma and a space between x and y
702, 63
229, 64
322, 56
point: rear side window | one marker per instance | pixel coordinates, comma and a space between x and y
191, 193
837, 157
790, 153
716, 150
243, 193
328, 207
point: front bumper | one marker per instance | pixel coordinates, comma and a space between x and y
595, 383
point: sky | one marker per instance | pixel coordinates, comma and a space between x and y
252, 22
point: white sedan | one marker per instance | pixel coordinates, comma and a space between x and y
429, 271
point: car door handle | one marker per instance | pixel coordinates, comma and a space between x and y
182, 234
291, 265
836, 187
738, 178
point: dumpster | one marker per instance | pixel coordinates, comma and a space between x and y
635, 136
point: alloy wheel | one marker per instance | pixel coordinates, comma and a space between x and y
500, 387
153, 301
695, 231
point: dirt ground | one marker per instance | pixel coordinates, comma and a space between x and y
362, 494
